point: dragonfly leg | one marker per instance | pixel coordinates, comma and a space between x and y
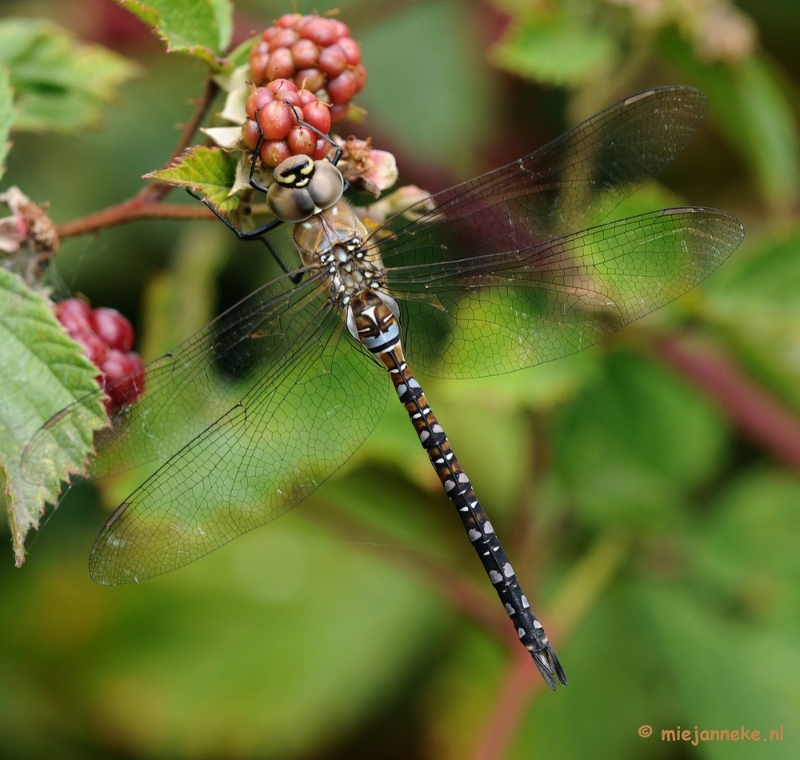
250, 235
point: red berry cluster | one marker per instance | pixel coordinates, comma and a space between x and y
106, 338
316, 53
274, 110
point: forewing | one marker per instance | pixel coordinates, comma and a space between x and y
286, 435
191, 386
496, 313
571, 183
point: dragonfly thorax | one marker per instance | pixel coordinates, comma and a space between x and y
332, 242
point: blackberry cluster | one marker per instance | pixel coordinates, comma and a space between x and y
276, 109
106, 338
316, 53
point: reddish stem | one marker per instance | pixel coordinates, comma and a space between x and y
522, 683
761, 416
130, 211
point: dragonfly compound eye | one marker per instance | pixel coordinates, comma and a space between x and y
327, 185
304, 187
290, 204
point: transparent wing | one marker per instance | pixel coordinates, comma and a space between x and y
516, 308
290, 431
571, 183
191, 386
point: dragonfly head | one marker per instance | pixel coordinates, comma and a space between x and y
303, 187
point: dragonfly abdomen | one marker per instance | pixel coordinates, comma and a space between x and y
371, 319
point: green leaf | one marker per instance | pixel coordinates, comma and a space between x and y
554, 50
755, 299
635, 441
59, 84
750, 549
209, 171
279, 642
200, 28
753, 110
726, 673
445, 124
41, 371
6, 117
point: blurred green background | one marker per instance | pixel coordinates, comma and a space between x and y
646, 490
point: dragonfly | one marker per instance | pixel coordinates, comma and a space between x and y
255, 411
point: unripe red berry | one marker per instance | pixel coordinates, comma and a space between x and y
304, 53
351, 50
113, 328
306, 97
311, 79
342, 30
282, 84
342, 88
258, 67
318, 116
288, 96
280, 64
94, 347
319, 30
322, 149
275, 119
74, 315
288, 20
274, 151
361, 77
283, 39
250, 134
125, 379
302, 140
257, 100
332, 61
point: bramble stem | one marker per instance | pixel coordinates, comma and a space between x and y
130, 211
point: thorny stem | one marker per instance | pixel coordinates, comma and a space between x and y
576, 597
146, 204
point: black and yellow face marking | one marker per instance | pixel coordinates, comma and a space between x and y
303, 187
295, 171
